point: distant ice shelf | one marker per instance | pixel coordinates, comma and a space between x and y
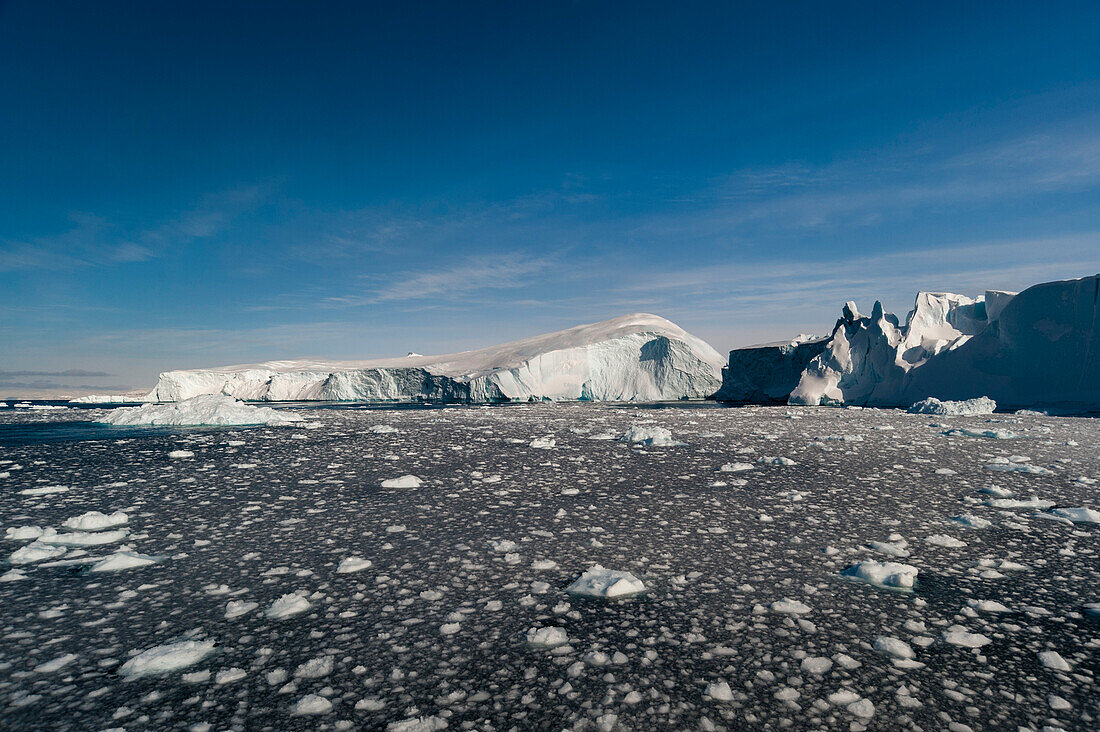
636, 357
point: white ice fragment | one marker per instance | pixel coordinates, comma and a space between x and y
56, 664
1054, 661
789, 607
1078, 515
237, 608
167, 657
883, 574
600, 582
549, 637
35, 552
311, 704
975, 522
22, 533
315, 668
289, 604
893, 647
968, 408
945, 541
959, 636
405, 481
543, 443
96, 521
353, 564
121, 560
202, 410
720, 691
649, 436
418, 724
180, 454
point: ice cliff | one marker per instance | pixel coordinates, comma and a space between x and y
632, 358
1037, 348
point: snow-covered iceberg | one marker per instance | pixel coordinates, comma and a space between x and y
635, 357
206, 409
1038, 347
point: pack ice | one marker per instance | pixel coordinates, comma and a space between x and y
636, 357
1038, 347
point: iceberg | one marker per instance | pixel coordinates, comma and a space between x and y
636, 357
1037, 347
206, 409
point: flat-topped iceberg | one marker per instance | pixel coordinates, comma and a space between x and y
636, 357
607, 583
203, 410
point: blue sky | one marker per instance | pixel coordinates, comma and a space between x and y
187, 183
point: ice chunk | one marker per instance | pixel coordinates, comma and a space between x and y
883, 574
547, 637
650, 437
894, 647
95, 521
959, 636
967, 408
22, 533
289, 604
56, 664
600, 582
205, 409
121, 560
405, 481
36, 552
311, 704
1078, 515
237, 608
82, 538
1054, 661
418, 724
353, 564
720, 691
165, 658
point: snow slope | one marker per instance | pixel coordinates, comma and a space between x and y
634, 357
1040, 347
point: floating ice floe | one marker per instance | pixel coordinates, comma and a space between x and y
776, 461
551, 637
82, 538
353, 564
787, 606
1019, 465
608, 583
405, 481
1054, 661
202, 410
55, 665
35, 553
968, 408
735, 467
418, 724
121, 560
166, 658
382, 429
96, 521
289, 604
1034, 502
650, 437
44, 490
988, 434
720, 691
181, 454
22, 533
945, 541
1078, 515
974, 522
543, 443
894, 647
891, 575
311, 704
956, 635
237, 608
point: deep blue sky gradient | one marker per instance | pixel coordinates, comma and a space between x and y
190, 183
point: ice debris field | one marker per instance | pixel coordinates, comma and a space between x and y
552, 566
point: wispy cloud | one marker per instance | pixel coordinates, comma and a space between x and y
93, 240
490, 272
68, 372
